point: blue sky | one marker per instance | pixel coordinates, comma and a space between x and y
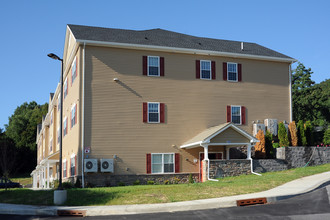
32, 29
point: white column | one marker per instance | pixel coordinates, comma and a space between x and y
43, 177
227, 153
40, 179
48, 175
35, 180
249, 151
206, 151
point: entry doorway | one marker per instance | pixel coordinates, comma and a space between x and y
212, 156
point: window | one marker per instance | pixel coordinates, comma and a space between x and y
73, 165
51, 145
236, 114
59, 102
73, 115
65, 87
153, 66
58, 134
65, 126
153, 112
64, 168
73, 70
205, 69
162, 163
232, 72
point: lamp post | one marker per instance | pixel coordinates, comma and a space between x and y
55, 57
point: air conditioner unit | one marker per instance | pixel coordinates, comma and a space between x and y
90, 165
107, 165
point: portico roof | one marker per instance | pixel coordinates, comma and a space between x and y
217, 136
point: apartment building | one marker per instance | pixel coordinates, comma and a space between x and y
156, 104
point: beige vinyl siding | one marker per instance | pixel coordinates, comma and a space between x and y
230, 136
113, 110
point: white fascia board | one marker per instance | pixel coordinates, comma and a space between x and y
191, 145
184, 50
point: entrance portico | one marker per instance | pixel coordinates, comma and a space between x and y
226, 135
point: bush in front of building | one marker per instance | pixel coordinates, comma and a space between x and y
260, 147
293, 134
326, 137
309, 132
283, 135
301, 134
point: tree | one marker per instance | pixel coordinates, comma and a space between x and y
260, 149
8, 156
283, 135
326, 137
293, 134
269, 145
22, 129
309, 133
301, 134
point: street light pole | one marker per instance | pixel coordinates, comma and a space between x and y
55, 57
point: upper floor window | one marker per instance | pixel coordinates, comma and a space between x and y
153, 112
236, 114
65, 87
73, 115
58, 135
64, 165
205, 69
59, 102
51, 145
73, 165
73, 70
65, 126
162, 163
232, 72
153, 66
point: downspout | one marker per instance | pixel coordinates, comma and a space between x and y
252, 169
206, 151
83, 120
250, 158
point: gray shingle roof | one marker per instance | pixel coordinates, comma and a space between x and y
160, 37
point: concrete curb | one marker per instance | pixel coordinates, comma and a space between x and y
285, 191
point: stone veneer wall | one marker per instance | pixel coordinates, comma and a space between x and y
223, 168
106, 179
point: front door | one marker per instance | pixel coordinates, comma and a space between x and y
212, 156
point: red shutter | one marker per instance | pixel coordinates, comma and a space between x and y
239, 72
228, 113
75, 118
148, 163
145, 112
224, 65
145, 65
162, 68
177, 162
162, 112
243, 110
198, 69
213, 69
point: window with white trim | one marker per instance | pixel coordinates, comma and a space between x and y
51, 145
73, 165
58, 134
73, 70
73, 115
162, 163
232, 74
205, 69
236, 114
65, 87
153, 66
65, 126
64, 168
59, 102
153, 112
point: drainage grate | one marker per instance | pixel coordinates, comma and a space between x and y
246, 202
80, 213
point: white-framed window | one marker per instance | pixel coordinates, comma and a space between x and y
153, 66
73, 165
73, 70
64, 168
58, 134
162, 163
51, 145
65, 126
73, 115
59, 102
205, 69
65, 87
236, 114
153, 112
232, 73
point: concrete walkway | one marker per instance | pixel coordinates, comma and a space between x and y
287, 190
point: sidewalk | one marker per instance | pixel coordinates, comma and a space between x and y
287, 190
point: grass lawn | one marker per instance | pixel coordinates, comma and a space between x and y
144, 194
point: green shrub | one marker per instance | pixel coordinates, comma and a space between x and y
121, 184
90, 185
269, 145
150, 182
67, 185
191, 179
137, 182
301, 134
283, 135
276, 145
55, 184
77, 184
326, 137
309, 133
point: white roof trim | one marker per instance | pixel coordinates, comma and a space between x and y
184, 50
192, 144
